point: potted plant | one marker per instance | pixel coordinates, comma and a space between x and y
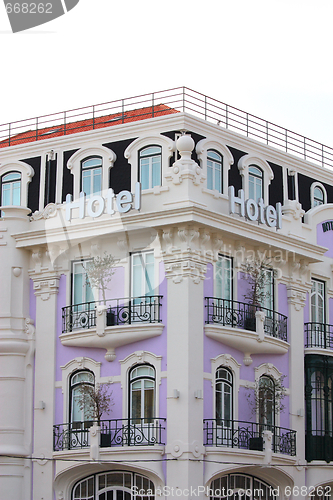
257, 292
100, 271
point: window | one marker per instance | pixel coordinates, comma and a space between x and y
150, 166
255, 183
114, 485
266, 401
317, 301
318, 196
81, 289
79, 416
81, 314
214, 170
223, 396
142, 274
11, 189
142, 393
223, 278
91, 176
319, 407
241, 487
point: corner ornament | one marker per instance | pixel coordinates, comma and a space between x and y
297, 298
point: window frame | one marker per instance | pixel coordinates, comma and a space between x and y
216, 145
150, 166
230, 384
74, 263
262, 418
70, 392
243, 166
27, 173
142, 255
256, 176
11, 183
213, 168
314, 186
315, 293
222, 258
91, 170
142, 379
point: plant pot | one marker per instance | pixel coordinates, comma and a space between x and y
256, 443
110, 318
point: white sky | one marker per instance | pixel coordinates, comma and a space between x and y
271, 58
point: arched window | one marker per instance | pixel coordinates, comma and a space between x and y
91, 176
114, 485
11, 189
256, 182
242, 486
214, 170
142, 394
223, 278
150, 167
318, 196
317, 301
79, 414
266, 405
223, 396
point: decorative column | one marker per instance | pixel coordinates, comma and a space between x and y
297, 289
46, 283
16, 359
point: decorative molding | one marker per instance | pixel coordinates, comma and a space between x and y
267, 369
44, 286
296, 296
29, 326
49, 211
293, 209
185, 167
201, 149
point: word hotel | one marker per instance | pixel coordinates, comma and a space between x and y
167, 304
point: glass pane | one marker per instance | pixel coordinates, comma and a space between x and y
136, 404
16, 193
144, 173
209, 175
213, 155
149, 403
5, 198
78, 288
86, 182
150, 151
97, 180
93, 162
156, 171
12, 176
218, 177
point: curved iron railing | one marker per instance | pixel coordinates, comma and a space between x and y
248, 435
318, 335
122, 311
115, 432
242, 315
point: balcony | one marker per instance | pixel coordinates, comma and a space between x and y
318, 335
248, 436
250, 329
116, 323
145, 309
115, 432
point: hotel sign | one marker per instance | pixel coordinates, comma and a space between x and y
96, 205
255, 211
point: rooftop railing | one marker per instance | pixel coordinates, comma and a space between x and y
237, 314
180, 99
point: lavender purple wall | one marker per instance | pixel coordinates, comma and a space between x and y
325, 239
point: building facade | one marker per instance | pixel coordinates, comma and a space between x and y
214, 336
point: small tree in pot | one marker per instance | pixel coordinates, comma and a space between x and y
95, 401
258, 279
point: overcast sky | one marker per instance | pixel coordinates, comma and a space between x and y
271, 58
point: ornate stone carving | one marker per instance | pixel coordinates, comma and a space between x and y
293, 209
297, 297
49, 211
29, 326
44, 286
185, 167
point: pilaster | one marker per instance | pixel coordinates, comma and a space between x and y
45, 283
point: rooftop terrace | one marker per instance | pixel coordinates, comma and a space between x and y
180, 99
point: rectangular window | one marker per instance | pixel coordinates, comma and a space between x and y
268, 302
81, 289
223, 278
143, 274
317, 301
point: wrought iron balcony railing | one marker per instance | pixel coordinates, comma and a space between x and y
318, 335
248, 435
242, 315
145, 309
115, 432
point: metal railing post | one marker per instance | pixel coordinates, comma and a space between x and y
64, 122
152, 105
122, 110
93, 117
9, 124
37, 129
